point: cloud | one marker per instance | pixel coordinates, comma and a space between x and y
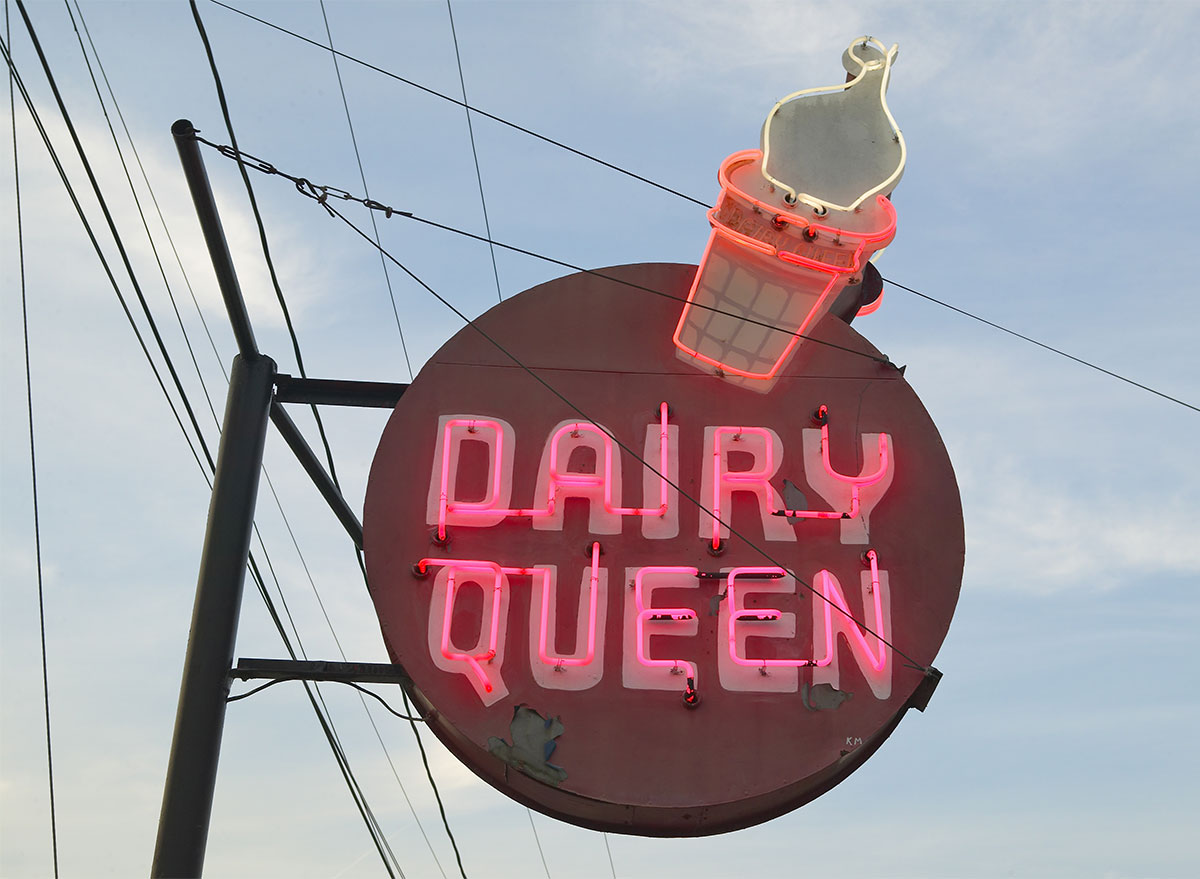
1085, 75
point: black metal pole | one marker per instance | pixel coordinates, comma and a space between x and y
214, 235
200, 717
196, 745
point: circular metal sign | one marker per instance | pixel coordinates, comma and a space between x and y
640, 598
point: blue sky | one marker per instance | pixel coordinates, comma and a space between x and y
1051, 187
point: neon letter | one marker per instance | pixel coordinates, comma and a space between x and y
643, 621
871, 654
737, 670
443, 506
482, 662
585, 666
719, 483
857, 495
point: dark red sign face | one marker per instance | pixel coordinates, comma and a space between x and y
584, 634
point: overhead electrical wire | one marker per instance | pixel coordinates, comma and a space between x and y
196, 365
322, 193
487, 225
437, 796
1051, 348
476, 110
133, 191
325, 718
70, 189
699, 202
270, 263
362, 566
326, 725
541, 854
262, 232
191, 351
338, 643
351, 684
158, 210
362, 174
321, 710
116, 235
37, 528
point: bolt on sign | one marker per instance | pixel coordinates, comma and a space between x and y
701, 581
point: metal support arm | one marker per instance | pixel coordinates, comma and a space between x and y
337, 392
320, 670
308, 460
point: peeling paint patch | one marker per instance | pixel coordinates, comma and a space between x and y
823, 697
714, 604
532, 745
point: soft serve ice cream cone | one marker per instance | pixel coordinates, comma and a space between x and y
795, 223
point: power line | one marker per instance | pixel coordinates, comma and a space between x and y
435, 93
1050, 348
541, 854
116, 235
179, 318
262, 232
37, 529
326, 725
99, 195
358, 554
321, 194
337, 641
342, 761
351, 684
133, 191
53, 153
611, 866
357, 795
191, 351
463, 103
161, 219
363, 176
437, 796
487, 226
375, 830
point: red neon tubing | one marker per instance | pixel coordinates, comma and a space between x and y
484, 508
543, 653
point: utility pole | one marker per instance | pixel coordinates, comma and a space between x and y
200, 717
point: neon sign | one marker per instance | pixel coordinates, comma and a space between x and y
598, 489
714, 595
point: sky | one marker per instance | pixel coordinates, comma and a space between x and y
1051, 188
